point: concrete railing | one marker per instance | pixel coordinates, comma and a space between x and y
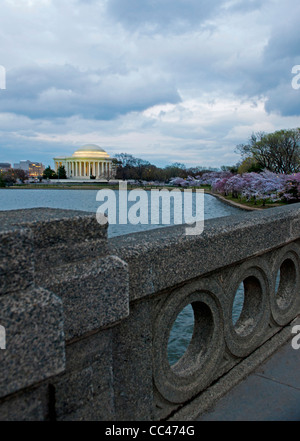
87, 320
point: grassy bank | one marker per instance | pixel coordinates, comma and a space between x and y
243, 202
257, 204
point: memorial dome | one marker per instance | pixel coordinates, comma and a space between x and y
92, 151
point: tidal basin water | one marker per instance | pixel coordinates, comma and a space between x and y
85, 200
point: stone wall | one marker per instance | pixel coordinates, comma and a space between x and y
87, 319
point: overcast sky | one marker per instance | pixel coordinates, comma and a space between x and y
163, 80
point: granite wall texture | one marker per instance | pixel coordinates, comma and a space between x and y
87, 319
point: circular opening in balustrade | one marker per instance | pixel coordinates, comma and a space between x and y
285, 284
196, 310
190, 337
247, 301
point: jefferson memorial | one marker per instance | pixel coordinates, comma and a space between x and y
89, 160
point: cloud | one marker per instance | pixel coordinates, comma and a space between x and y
182, 80
151, 16
284, 100
63, 91
271, 75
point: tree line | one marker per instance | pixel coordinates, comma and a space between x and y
11, 176
130, 168
277, 152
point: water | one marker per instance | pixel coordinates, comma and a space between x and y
85, 200
238, 303
181, 334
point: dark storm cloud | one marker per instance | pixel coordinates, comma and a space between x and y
83, 71
64, 91
158, 15
271, 74
246, 6
284, 100
281, 54
170, 16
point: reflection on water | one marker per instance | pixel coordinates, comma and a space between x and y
238, 303
181, 334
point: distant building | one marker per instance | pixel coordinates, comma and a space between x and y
36, 169
33, 169
4, 166
89, 160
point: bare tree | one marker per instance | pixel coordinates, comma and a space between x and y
278, 152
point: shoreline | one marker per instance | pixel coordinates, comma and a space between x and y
234, 204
